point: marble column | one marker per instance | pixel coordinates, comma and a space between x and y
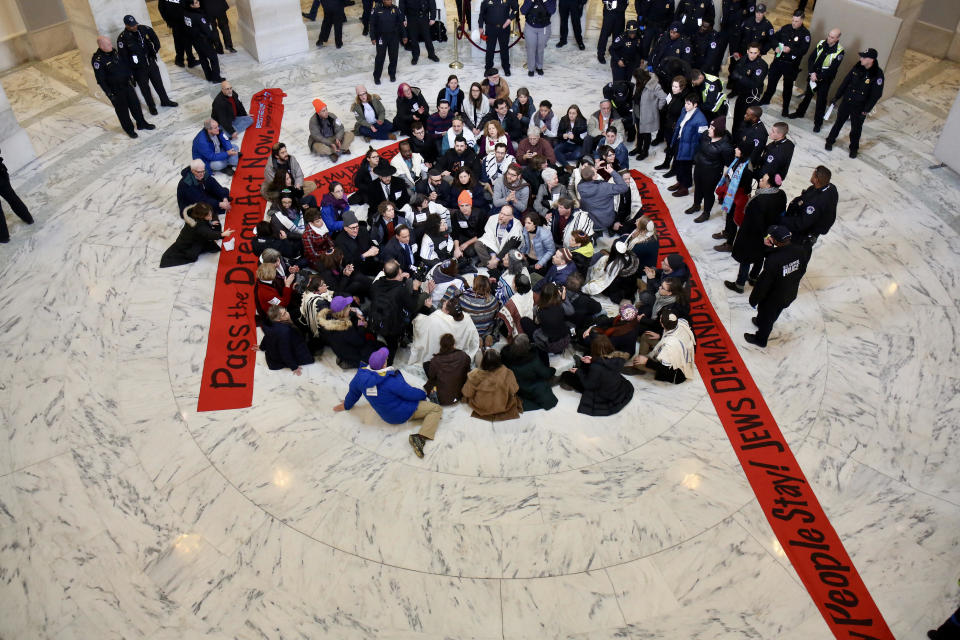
272, 28
14, 142
91, 18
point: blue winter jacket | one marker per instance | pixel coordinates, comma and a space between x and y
387, 392
689, 141
542, 244
203, 148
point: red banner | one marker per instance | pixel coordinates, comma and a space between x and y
345, 171
787, 500
227, 381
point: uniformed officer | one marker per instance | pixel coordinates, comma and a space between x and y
386, 31
757, 29
777, 155
656, 16
733, 13
707, 48
572, 11
691, 15
792, 40
494, 20
172, 13
747, 80
812, 213
860, 91
713, 101
202, 38
418, 17
620, 95
822, 67
138, 44
670, 45
625, 53
777, 284
8, 194
614, 20
116, 79
748, 144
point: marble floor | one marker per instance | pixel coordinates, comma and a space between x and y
124, 513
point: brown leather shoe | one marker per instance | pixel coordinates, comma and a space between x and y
674, 186
725, 247
720, 235
703, 217
682, 191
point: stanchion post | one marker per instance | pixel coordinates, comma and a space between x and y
456, 64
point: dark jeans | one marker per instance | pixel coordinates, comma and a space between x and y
684, 169
382, 133
8, 194
855, 113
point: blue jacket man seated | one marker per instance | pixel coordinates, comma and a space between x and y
213, 146
393, 399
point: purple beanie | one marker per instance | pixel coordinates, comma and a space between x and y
340, 303
378, 359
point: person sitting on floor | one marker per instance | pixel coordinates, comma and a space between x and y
265, 237
500, 234
447, 371
343, 327
283, 345
198, 236
458, 128
549, 194
482, 306
213, 146
286, 215
672, 359
449, 318
371, 117
496, 164
622, 330
281, 162
198, 185
394, 400
316, 239
604, 391
327, 134
536, 243
533, 376
534, 145
492, 390
614, 273
409, 165
561, 268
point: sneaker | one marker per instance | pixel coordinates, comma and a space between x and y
416, 441
733, 286
753, 339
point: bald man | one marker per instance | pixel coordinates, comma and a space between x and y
229, 112
822, 66
117, 81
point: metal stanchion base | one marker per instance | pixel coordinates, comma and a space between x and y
456, 64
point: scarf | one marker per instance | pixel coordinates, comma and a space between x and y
676, 349
660, 302
761, 192
451, 97
736, 173
686, 116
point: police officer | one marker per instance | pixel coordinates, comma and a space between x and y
386, 31
656, 16
812, 213
860, 91
138, 44
614, 19
733, 13
418, 17
571, 10
792, 40
748, 143
202, 38
757, 29
116, 79
620, 95
822, 67
172, 13
670, 45
625, 54
747, 80
777, 284
713, 101
691, 15
777, 155
707, 48
494, 20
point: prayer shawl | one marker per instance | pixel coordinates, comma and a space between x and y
676, 349
427, 331
310, 307
518, 306
735, 174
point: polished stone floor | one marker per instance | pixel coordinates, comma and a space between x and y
124, 513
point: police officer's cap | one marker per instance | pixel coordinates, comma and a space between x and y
130, 21
631, 26
869, 53
779, 232
676, 26
761, 8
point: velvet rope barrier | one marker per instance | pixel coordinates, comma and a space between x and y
462, 32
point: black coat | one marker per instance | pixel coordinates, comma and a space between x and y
780, 279
393, 250
214, 8
579, 129
285, 347
349, 341
406, 112
761, 211
398, 192
459, 93
392, 306
605, 390
714, 154
353, 248
533, 377
511, 125
196, 237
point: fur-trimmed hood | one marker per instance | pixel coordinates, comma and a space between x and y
190, 222
327, 322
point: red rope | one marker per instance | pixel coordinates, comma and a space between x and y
463, 33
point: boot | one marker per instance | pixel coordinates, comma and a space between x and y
703, 217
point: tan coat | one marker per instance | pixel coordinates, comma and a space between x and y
493, 394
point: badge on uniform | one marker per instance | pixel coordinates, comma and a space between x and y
811, 209
187, 21
96, 65
879, 81
713, 45
134, 60
758, 72
770, 158
756, 142
120, 44
687, 50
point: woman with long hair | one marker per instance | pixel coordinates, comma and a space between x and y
198, 236
452, 93
570, 136
492, 134
598, 378
523, 107
492, 390
475, 107
614, 273
668, 119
